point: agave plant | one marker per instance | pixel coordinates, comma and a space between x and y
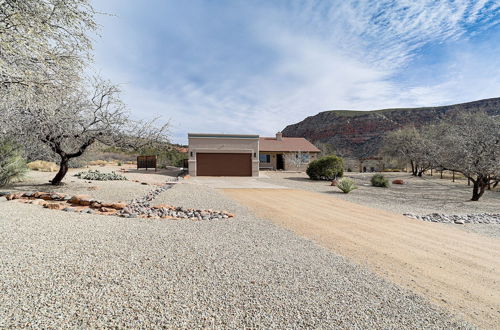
346, 185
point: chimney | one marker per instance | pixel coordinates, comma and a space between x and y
279, 136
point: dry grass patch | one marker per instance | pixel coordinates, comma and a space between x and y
43, 166
100, 162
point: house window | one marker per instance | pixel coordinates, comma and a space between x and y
263, 158
305, 158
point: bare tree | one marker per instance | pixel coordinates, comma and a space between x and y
412, 145
69, 118
470, 144
42, 41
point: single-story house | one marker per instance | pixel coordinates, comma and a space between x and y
286, 153
223, 154
244, 155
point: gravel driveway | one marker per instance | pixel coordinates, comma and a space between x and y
418, 196
78, 270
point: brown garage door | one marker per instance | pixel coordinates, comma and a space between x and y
211, 164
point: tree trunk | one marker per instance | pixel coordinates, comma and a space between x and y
63, 169
478, 189
414, 169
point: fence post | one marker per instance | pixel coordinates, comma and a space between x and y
441, 174
453, 176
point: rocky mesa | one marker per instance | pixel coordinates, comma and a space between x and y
359, 134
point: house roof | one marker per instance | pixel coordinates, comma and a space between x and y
286, 144
222, 136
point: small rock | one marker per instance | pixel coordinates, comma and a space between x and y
10, 197
107, 210
54, 206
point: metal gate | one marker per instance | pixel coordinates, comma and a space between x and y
146, 162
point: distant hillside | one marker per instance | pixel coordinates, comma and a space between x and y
359, 133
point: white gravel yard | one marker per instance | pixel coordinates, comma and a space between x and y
109, 191
78, 270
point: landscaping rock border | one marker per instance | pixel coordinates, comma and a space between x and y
136, 208
480, 218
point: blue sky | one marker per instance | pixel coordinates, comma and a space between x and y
255, 66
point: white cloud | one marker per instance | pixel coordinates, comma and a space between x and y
326, 56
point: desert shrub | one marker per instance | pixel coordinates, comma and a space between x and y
378, 180
326, 168
43, 166
99, 176
12, 164
346, 185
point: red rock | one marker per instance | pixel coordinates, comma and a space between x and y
107, 210
118, 206
96, 205
77, 199
398, 181
38, 194
54, 206
46, 197
10, 197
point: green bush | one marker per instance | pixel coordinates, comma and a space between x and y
12, 165
346, 185
378, 180
99, 176
326, 168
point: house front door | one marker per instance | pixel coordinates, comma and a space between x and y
280, 162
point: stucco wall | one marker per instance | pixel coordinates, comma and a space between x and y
211, 143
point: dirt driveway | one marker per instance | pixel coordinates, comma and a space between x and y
455, 269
